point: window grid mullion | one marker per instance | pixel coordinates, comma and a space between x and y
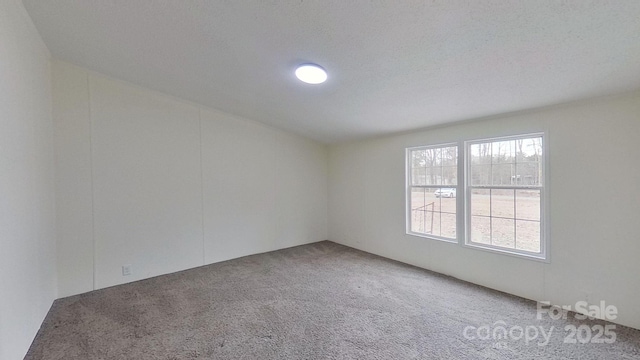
491, 216
515, 216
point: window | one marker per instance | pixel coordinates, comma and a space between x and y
502, 202
431, 191
505, 190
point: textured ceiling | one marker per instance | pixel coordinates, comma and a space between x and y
393, 65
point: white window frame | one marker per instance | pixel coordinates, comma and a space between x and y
543, 255
409, 186
463, 198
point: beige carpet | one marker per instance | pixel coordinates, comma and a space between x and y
319, 301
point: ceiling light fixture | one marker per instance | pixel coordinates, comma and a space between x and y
311, 74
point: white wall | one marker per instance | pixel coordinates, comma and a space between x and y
165, 185
594, 208
27, 220
263, 189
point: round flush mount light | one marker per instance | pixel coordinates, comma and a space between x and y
311, 74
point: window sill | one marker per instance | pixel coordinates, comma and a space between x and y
502, 251
432, 237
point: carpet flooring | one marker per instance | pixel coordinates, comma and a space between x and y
318, 301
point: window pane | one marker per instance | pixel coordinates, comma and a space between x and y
435, 166
502, 174
448, 227
417, 167
418, 200
433, 157
418, 196
437, 206
446, 200
433, 218
529, 160
528, 204
502, 203
528, 235
480, 153
434, 174
450, 175
481, 229
429, 207
449, 156
503, 152
481, 174
503, 232
417, 158
480, 202
528, 173
418, 176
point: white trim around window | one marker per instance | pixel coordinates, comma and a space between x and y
501, 199
432, 189
516, 189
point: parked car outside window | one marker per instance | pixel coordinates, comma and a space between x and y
445, 192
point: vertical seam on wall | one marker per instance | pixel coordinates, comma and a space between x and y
93, 222
201, 184
327, 224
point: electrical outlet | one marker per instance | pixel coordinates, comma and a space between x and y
126, 270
